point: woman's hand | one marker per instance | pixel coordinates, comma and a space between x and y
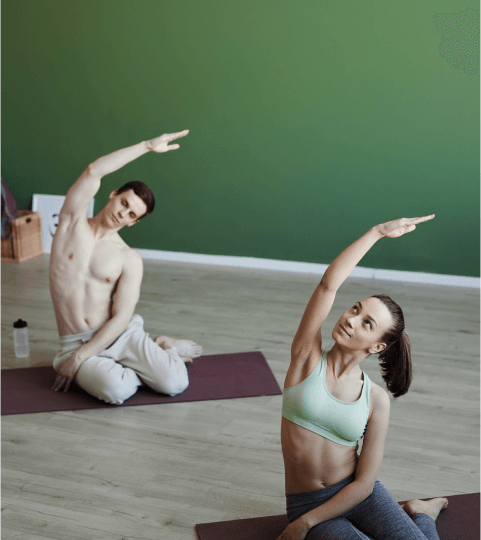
398, 227
297, 530
160, 144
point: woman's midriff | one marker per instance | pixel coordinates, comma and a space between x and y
313, 462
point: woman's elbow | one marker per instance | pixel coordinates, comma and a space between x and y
365, 490
327, 285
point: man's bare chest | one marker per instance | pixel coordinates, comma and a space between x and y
78, 257
106, 262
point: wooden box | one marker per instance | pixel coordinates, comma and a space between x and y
26, 241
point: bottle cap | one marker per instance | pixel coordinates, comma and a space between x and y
20, 324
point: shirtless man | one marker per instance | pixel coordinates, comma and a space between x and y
95, 285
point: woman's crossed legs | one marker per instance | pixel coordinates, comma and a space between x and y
379, 517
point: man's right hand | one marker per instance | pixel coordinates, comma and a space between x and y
66, 373
160, 144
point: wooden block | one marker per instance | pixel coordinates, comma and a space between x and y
26, 241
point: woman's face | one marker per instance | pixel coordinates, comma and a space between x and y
361, 327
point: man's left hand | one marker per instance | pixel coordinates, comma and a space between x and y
66, 373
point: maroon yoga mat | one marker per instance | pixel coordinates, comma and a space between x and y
220, 376
459, 521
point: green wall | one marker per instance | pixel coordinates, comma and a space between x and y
310, 121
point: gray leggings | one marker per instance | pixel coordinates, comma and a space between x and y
379, 517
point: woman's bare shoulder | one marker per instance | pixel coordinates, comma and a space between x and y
379, 398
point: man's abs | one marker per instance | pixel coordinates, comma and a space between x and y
83, 277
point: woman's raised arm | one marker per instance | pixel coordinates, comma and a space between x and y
319, 306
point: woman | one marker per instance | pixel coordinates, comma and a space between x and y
330, 404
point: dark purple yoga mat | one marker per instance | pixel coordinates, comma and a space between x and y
220, 376
459, 521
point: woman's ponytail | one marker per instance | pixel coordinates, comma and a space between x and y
395, 359
395, 363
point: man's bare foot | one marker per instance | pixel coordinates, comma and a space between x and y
186, 348
431, 507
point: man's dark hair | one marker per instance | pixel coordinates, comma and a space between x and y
143, 191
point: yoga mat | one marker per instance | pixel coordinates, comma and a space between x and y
459, 521
220, 376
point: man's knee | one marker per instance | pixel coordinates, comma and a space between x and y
117, 395
174, 385
106, 380
179, 387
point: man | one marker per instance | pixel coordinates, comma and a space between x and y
95, 285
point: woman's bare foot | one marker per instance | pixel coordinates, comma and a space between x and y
186, 348
432, 507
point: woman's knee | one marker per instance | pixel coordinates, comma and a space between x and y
336, 529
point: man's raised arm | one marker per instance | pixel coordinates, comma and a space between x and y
85, 188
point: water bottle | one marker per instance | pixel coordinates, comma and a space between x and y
20, 339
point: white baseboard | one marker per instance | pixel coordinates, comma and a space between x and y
308, 268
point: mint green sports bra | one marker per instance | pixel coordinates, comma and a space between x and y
310, 405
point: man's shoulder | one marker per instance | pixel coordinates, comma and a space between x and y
133, 255
130, 257
123, 246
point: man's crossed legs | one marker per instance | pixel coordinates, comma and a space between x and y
133, 359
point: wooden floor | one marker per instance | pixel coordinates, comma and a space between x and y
153, 472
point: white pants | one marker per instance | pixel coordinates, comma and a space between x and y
115, 374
